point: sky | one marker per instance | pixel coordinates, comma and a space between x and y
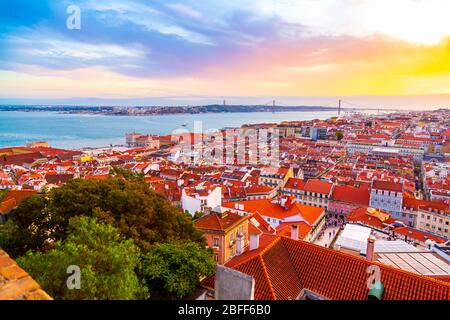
187, 52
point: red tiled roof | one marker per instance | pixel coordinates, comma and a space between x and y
413, 203
252, 229
7, 206
284, 229
283, 267
418, 235
19, 195
20, 158
318, 186
258, 189
350, 194
266, 207
378, 219
387, 185
260, 224
219, 222
295, 183
59, 178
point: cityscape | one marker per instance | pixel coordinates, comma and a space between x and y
213, 171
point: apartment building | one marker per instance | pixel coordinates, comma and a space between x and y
225, 233
434, 217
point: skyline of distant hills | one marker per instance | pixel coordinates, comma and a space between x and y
411, 102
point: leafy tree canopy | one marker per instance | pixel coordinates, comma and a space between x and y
172, 270
107, 263
137, 211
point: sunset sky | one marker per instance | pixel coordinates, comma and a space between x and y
245, 51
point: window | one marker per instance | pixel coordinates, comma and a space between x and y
216, 257
216, 242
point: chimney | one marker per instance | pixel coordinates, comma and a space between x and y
207, 210
239, 244
294, 232
254, 241
370, 248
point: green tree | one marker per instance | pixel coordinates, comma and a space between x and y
126, 174
197, 215
173, 270
3, 193
6, 241
27, 230
137, 211
107, 263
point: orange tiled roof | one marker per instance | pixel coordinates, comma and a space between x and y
19, 195
7, 206
283, 267
284, 229
16, 284
266, 207
413, 203
350, 194
258, 222
295, 183
13, 198
318, 186
418, 235
387, 185
219, 222
370, 217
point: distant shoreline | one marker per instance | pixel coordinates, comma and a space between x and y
171, 110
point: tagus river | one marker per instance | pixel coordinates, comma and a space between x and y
78, 130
